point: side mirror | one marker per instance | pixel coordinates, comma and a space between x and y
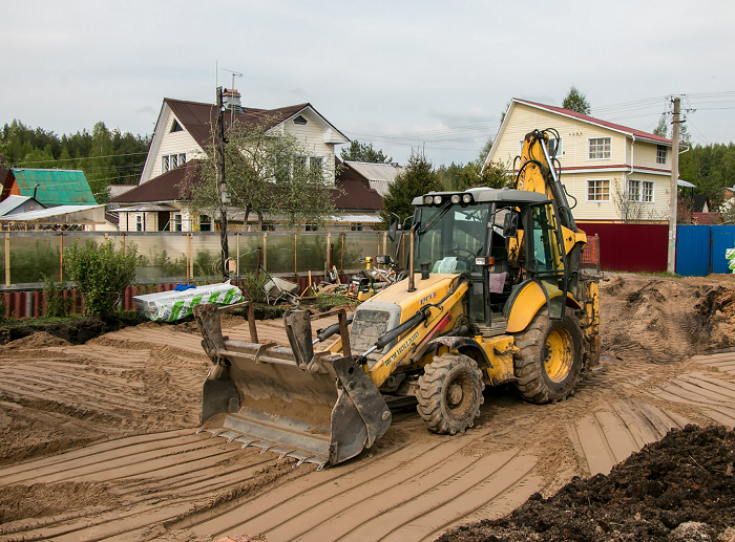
393, 228
510, 225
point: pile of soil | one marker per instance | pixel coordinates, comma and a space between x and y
665, 320
74, 331
680, 488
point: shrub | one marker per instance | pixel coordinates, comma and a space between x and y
101, 274
56, 304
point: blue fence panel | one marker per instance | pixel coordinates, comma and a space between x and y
693, 251
723, 237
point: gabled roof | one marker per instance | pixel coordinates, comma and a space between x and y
356, 192
597, 122
12, 202
55, 186
198, 118
166, 187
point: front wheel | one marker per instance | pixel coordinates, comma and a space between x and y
550, 359
450, 394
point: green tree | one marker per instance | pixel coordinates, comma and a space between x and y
662, 129
417, 179
364, 152
576, 101
266, 173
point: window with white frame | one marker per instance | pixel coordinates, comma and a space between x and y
661, 153
554, 147
599, 148
205, 223
313, 226
172, 161
641, 191
300, 121
139, 225
598, 190
356, 226
177, 222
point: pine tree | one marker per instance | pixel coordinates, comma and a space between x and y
576, 101
418, 178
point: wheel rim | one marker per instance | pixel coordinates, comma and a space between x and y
458, 396
558, 356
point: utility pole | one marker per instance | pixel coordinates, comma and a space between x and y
219, 148
671, 268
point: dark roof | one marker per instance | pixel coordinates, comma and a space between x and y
357, 194
698, 201
580, 116
166, 187
55, 186
198, 118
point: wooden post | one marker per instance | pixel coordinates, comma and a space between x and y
187, 257
7, 260
191, 252
123, 243
265, 251
328, 258
237, 263
342, 257
673, 200
219, 136
295, 272
385, 243
61, 260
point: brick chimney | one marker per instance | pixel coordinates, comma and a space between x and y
231, 99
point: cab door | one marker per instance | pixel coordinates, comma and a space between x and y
546, 262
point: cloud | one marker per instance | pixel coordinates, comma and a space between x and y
146, 110
469, 117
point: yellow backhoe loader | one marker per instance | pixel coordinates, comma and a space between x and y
493, 295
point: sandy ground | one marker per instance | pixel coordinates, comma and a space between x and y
98, 441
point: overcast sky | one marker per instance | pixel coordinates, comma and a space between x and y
399, 74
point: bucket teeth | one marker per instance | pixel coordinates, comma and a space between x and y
300, 456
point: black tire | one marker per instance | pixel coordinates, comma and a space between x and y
450, 394
550, 359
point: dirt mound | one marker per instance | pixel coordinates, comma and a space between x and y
78, 331
663, 320
40, 339
658, 494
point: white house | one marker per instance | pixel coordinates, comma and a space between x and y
183, 132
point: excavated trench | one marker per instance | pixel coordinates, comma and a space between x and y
98, 440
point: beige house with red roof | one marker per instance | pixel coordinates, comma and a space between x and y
614, 173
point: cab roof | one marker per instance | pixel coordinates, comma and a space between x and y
484, 194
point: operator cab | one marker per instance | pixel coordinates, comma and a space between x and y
482, 233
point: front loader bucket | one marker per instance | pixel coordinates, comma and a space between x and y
322, 408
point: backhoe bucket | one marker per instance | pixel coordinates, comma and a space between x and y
320, 408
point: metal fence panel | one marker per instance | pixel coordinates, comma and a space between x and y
693, 251
723, 237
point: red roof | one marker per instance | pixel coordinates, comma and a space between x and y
606, 124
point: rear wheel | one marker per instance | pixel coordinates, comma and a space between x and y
450, 394
550, 359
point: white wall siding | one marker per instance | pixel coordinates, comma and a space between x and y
311, 137
173, 142
575, 136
